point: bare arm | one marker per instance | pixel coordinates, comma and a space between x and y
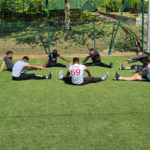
47, 59
67, 74
2, 67
64, 59
37, 67
88, 72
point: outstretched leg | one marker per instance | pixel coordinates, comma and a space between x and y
105, 65
90, 64
136, 77
95, 80
55, 65
32, 76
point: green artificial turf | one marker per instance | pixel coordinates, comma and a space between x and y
51, 115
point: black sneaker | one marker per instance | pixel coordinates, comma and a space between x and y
111, 65
121, 67
117, 76
50, 75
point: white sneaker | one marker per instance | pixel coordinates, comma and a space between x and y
105, 76
60, 75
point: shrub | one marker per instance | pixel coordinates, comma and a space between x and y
114, 5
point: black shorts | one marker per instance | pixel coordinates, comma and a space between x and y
138, 67
145, 78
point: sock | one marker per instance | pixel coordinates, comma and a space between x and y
103, 78
120, 78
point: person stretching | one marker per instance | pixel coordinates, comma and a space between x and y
20, 66
144, 76
75, 73
96, 60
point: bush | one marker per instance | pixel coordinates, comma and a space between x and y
114, 5
134, 6
146, 7
125, 46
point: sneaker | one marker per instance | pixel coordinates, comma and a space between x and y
117, 76
111, 65
136, 70
50, 75
60, 75
105, 76
121, 67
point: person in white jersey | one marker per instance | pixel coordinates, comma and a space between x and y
20, 66
144, 76
75, 74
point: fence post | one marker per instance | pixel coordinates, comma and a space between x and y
76, 4
114, 37
61, 4
48, 24
94, 32
143, 34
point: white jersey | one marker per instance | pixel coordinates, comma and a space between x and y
148, 75
76, 72
18, 68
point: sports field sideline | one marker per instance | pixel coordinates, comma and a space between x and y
105, 116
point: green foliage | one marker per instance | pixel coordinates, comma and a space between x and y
125, 46
114, 5
134, 6
146, 7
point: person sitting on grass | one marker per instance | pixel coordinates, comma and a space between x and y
96, 59
144, 76
8, 61
20, 66
141, 55
51, 60
75, 73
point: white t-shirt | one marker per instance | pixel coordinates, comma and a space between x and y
148, 75
18, 68
76, 72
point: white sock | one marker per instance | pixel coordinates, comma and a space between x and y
120, 78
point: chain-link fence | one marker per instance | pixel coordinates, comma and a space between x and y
31, 37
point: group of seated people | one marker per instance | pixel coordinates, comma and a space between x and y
75, 70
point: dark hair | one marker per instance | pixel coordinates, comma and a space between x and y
91, 49
9, 52
55, 51
25, 58
75, 59
138, 51
147, 59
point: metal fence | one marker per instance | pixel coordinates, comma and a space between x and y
31, 37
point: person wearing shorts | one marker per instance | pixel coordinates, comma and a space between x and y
144, 76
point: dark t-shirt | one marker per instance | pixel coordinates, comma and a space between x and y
9, 62
95, 57
53, 58
139, 58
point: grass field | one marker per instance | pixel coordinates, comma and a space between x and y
50, 115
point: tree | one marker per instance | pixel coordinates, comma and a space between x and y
67, 15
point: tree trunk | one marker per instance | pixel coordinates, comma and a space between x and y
67, 15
